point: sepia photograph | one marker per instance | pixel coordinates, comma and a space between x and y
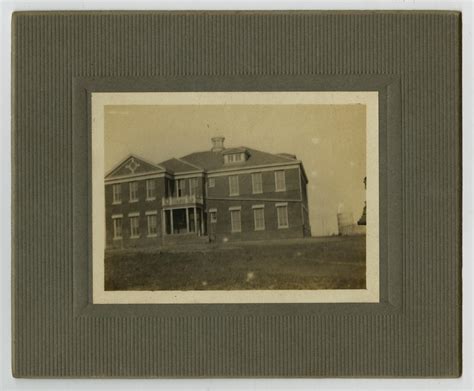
245, 197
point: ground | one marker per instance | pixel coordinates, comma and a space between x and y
310, 263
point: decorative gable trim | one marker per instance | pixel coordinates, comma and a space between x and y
133, 166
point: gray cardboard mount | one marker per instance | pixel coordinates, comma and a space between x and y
411, 58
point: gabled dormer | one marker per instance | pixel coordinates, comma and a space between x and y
235, 155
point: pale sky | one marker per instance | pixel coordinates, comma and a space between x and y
330, 140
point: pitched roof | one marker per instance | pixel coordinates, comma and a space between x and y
176, 166
198, 162
209, 160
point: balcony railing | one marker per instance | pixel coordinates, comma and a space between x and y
184, 200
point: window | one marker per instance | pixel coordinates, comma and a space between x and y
133, 191
117, 223
169, 187
282, 215
150, 189
212, 182
259, 217
117, 194
257, 183
193, 186
280, 184
213, 215
235, 220
233, 185
134, 225
151, 223
181, 187
234, 157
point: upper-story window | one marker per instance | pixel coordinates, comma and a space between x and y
280, 183
181, 187
133, 191
193, 186
257, 187
234, 185
211, 182
150, 189
117, 193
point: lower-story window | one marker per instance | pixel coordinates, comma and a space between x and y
259, 217
134, 225
151, 223
282, 215
235, 220
117, 225
213, 215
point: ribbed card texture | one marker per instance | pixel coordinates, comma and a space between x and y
422, 49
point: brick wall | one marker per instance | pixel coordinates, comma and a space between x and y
217, 197
141, 206
221, 188
222, 229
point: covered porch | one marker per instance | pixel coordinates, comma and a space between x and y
184, 220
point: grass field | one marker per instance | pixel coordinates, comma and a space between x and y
312, 263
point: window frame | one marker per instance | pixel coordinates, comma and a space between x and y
132, 217
277, 189
114, 200
254, 175
130, 199
237, 185
179, 188
152, 198
258, 208
114, 219
149, 214
278, 207
212, 212
232, 221
211, 180
193, 190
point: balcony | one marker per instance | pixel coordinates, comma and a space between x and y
184, 200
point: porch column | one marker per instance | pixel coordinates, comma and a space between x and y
171, 218
187, 219
163, 222
202, 221
195, 220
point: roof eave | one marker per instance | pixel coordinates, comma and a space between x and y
282, 164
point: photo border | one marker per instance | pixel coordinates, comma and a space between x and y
389, 183
329, 98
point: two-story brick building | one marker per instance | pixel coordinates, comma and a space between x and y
221, 194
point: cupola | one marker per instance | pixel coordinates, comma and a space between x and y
217, 144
